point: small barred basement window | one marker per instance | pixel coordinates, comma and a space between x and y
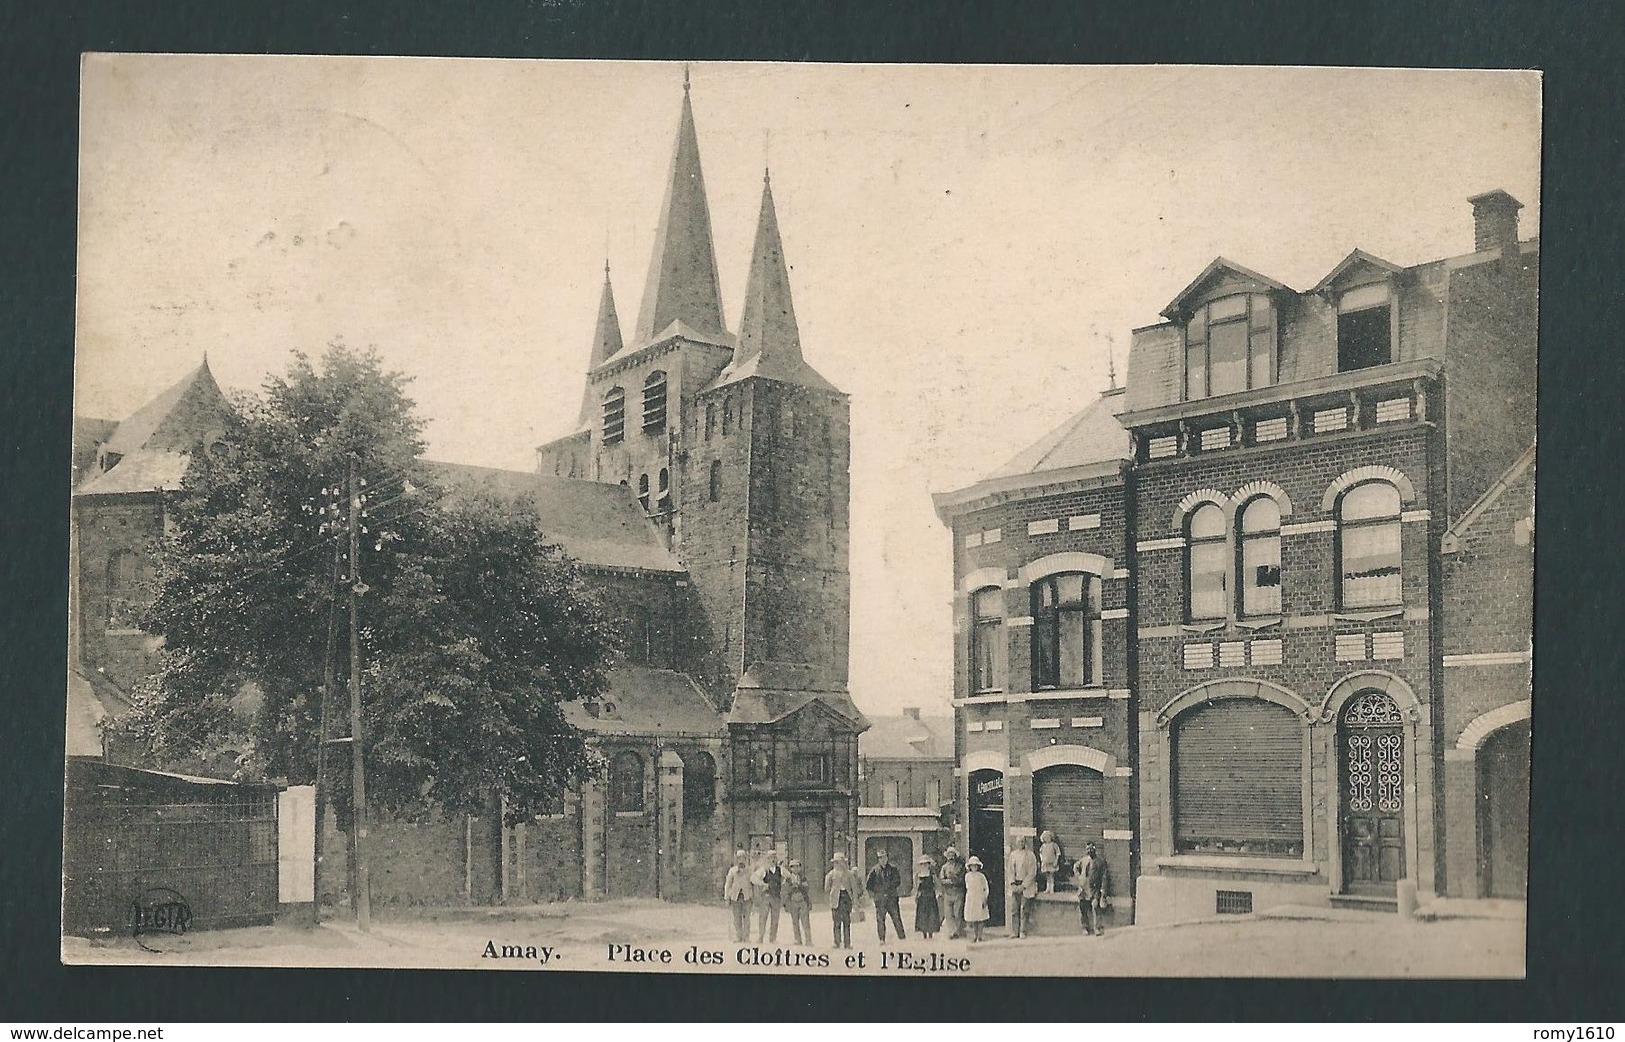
1233, 902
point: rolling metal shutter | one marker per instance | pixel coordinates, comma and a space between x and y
1238, 780
1069, 800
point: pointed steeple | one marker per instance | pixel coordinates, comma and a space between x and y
769, 342
767, 325
606, 341
682, 284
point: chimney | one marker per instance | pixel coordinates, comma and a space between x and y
1495, 221
912, 712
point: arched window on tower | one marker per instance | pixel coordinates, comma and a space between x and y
710, 420
664, 500
728, 415
654, 402
716, 480
643, 491
614, 415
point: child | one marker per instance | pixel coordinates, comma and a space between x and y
927, 912
1049, 860
976, 913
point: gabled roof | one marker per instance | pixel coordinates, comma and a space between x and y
147, 426
597, 524
1508, 478
908, 738
771, 691
1177, 306
1355, 262
682, 282
649, 701
677, 328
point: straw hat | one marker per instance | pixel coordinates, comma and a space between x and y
973, 862
839, 857
1047, 836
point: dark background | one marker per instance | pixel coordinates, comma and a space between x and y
1575, 949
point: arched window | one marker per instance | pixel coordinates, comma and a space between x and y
626, 781
1368, 546
716, 480
1066, 630
728, 415
643, 491
699, 786
614, 415
1238, 780
710, 420
663, 499
654, 402
126, 575
987, 617
1260, 553
1205, 564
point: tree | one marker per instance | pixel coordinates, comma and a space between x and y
474, 630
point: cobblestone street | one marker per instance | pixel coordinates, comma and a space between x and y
574, 936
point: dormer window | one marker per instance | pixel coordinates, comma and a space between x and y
1230, 346
1365, 327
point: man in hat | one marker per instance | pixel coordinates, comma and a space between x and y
883, 884
736, 892
798, 901
767, 885
1021, 875
841, 886
1091, 874
951, 880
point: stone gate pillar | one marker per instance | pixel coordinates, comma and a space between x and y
669, 800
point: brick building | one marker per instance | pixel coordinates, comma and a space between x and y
1268, 549
905, 786
704, 490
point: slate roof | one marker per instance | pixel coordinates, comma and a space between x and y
1091, 435
138, 430
144, 470
771, 691
908, 738
682, 282
649, 701
596, 523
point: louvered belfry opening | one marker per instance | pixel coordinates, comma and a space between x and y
1238, 780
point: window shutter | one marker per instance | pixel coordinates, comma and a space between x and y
1069, 800
1238, 777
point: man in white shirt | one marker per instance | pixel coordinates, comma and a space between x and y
1021, 875
737, 892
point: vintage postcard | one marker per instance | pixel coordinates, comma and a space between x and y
802, 519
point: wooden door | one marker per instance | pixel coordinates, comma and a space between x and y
807, 844
1503, 785
1372, 746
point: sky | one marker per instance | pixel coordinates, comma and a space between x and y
969, 246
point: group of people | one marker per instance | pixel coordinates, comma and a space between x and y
954, 896
1025, 873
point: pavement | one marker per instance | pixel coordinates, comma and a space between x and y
696, 938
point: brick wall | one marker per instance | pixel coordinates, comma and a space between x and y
912, 776
109, 525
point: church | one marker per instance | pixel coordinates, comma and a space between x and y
704, 490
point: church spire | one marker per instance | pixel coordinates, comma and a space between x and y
767, 325
682, 284
606, 342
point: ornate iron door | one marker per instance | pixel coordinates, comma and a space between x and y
1373, 799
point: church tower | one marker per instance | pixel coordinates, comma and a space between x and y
733, 445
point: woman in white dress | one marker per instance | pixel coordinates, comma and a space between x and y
976, 913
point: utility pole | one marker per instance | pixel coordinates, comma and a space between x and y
358, 778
